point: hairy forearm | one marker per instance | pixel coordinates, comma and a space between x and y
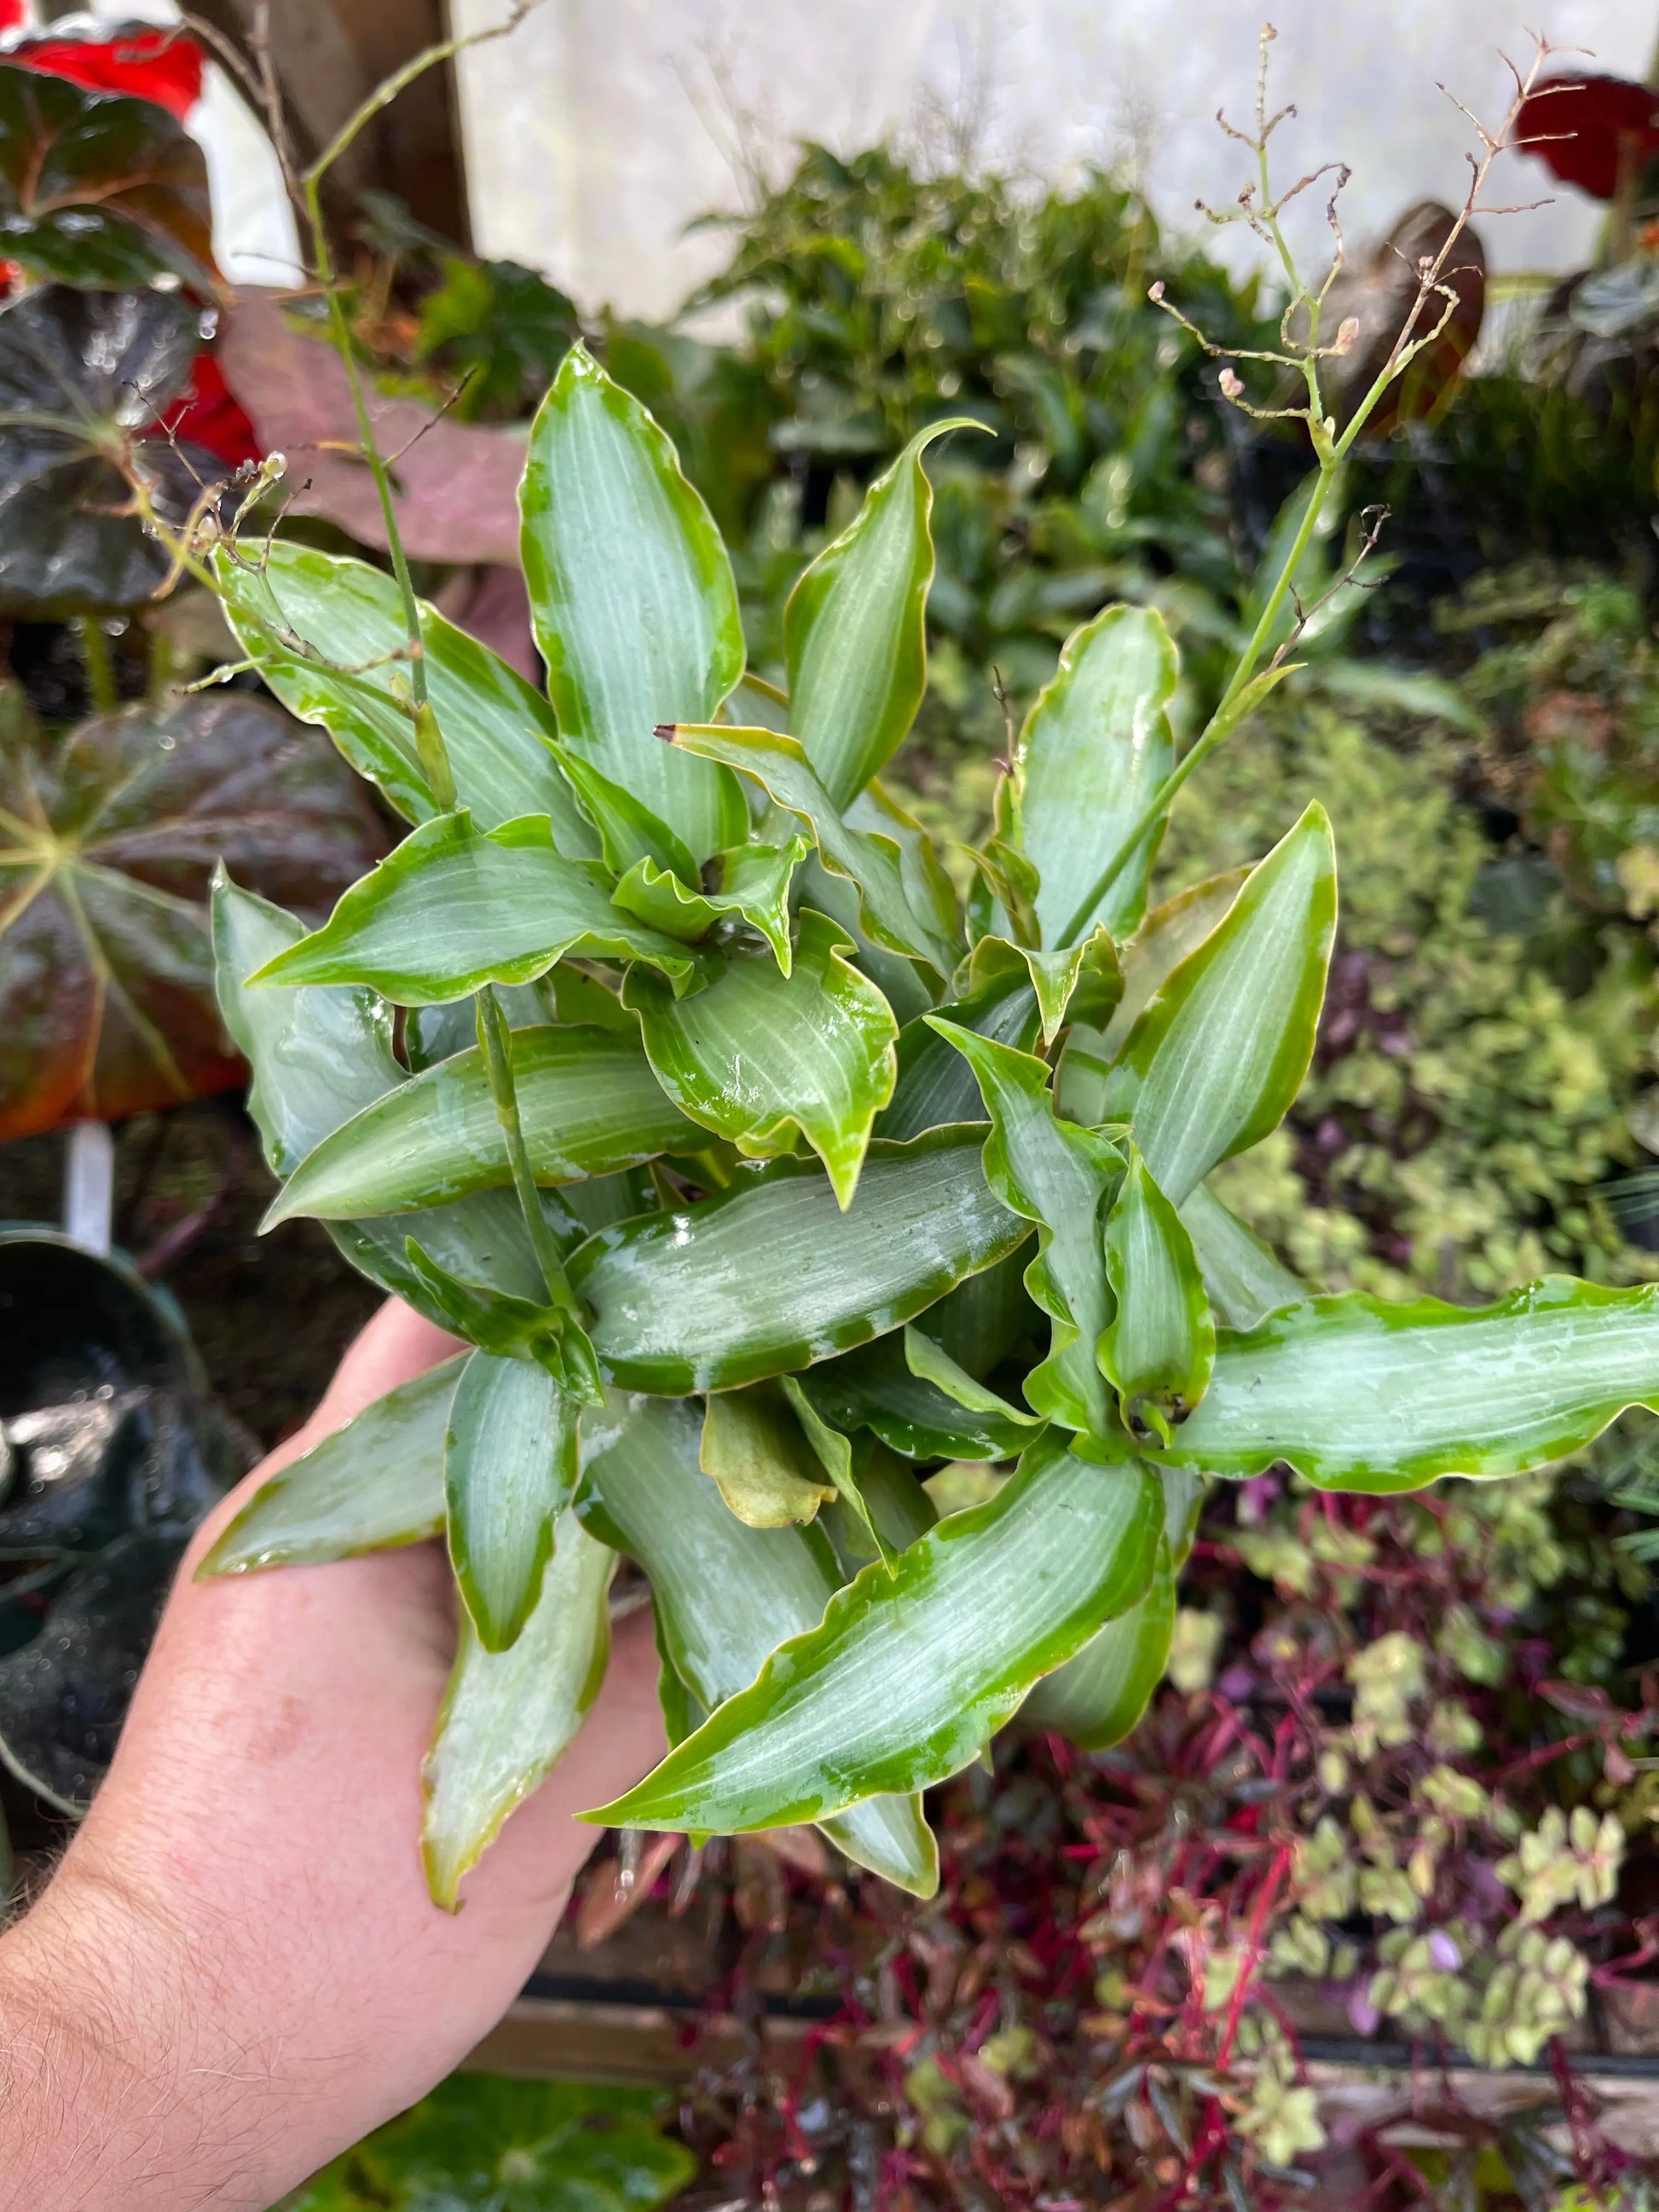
109, 2099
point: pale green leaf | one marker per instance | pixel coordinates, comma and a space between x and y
510, 1326
1095, 745
509, 1470
1158, 1348
631, 598
454, 909
1081, 984
1357, 1394
1058, 1175
751, 882
728, 1596
628, 830
771, 1275
765, 1469
927, 885
1218, 1053
936, 1085
910, 1674
933, 1364
879, 1389
1244, 1280
508, 1716
496, 729
317, 1056
895, 1504
835, 1453
588, 1105
1097, 1698
872, 861
376, 1483
763, 1058
853, 630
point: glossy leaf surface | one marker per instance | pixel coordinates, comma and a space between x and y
772, 1275
1215, 1060
454, 909
760, 1057
497, 730
508, 1715
96, 189
81, 375
853, 631
1095, 745
751, 882
728, 1596
1158, 1348
878, 1388
631, 598
108, 838
872, 861
1058, 1175
1081, 984
588, 1105
375, 1483
509, 1468
1244, 1281
936, 1085
1357, 1394
316, 1056
1097, 1698
836, 1457
911, 1673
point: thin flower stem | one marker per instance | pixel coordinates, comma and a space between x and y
494, 1038
101, 688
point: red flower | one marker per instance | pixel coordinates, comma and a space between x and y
146, 63
1591, 131
208, 416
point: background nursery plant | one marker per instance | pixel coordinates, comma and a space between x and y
765, 1176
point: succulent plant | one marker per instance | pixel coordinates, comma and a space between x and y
763, 1175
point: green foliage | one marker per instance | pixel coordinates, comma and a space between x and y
481, 2144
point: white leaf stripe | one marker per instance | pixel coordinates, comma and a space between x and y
1360, 1395
509, 1468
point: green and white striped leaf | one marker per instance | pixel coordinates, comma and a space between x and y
879, 1389
317, 1056
511, 1327
895, 1504
295, 1042
761, 1464
911, 1675
1081, 984
454, 909
588, 1105
372, 1484
727, 1596
835, 1453
771, 1275
497, 730
853, 632
927, 885
1357, 1394
936, 1085
631, 598
873, 862
1157, 1349
508, 1716
1244, 1281
753, 884
908, 988
763, 1058
628, 830
987, 1319
1058, 1175
1095, 745
509, 1470
1218, 1053
1097, 1698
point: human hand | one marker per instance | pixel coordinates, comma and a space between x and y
237, 1971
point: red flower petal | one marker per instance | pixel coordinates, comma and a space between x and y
159, 65
1591, 131
209, 416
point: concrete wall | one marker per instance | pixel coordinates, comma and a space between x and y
598, 129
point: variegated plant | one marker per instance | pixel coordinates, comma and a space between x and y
765, 1177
